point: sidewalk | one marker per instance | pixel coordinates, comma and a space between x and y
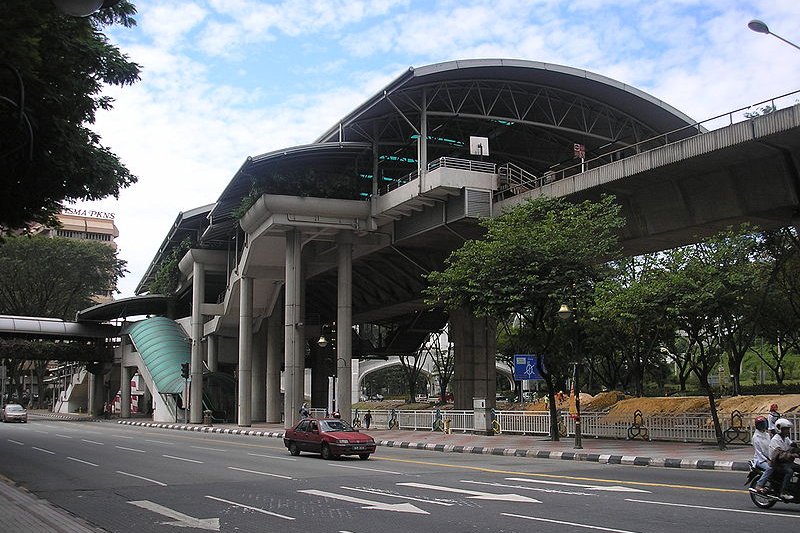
22, 511
627, 452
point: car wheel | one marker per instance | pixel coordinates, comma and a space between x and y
294, 449
326, 452
363, 456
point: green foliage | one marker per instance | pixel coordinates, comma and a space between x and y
54, 277
48, 350
168, 275
533, 257
629, 321
48, 153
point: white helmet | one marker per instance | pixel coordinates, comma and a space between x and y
782, 423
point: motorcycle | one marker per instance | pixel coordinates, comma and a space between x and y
765, 500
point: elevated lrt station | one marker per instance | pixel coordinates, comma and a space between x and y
335, 238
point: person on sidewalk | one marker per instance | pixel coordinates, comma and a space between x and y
367, 419
773, 417
304, 410
760, 442
783, 452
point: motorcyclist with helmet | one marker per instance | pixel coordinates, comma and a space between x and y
760, 441
782, 453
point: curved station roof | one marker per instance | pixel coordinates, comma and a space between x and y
532, 114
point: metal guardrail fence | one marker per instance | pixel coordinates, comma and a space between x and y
688, 427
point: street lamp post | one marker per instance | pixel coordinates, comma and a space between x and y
567, 313
759, 26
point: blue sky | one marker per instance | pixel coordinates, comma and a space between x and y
227, 79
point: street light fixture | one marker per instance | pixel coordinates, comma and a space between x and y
566, 313
760, 26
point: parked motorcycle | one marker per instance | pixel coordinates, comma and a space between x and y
770, 498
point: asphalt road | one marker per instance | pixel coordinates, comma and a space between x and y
127, 478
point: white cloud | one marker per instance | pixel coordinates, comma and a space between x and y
168, 23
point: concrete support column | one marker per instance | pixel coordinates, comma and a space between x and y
294, 334
258, 405
95, 395
274, 359
212, 353
125, 391
320, 371
344, 324
475, 345
196, 366
245, 350
355, 385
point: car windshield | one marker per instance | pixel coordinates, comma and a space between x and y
335, 425
13, 408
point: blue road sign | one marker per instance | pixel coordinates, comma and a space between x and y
525, 367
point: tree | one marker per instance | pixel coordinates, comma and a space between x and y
629, 306
707, 283
779, 317
52, 71
443, 361
412, 365
533, 257
54, 277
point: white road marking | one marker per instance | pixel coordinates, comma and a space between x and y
93, 442
43, 450
369, 469
16, 442
251, 508
81, 461
381, 493
209, 449
130, 449
562, 522
271, 456
182, 459
122, 436
474, 494
40, 431
259, 473
610, 488
63, 436
142, 478
535, 489
368, 504
771, 514
181, 520
158, 441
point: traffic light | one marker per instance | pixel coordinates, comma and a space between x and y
185, 370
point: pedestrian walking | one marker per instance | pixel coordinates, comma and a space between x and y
772, 417
304, 410
367, 419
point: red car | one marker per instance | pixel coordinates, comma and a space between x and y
330, 437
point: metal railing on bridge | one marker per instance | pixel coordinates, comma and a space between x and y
691, 130
442, 162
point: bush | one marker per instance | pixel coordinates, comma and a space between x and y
771, 388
